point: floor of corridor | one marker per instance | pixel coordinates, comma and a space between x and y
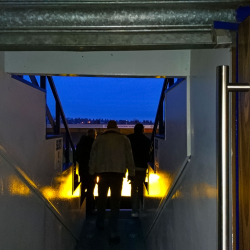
130, 231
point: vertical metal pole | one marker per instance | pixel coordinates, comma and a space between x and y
67, 148
223, 156
43, 82
164, 87
223, 89
237, 214
161, 126
170, 81
58, 120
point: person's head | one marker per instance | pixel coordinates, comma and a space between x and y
112, 125
92, 133
139, 129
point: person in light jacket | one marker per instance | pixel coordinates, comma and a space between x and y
110, 157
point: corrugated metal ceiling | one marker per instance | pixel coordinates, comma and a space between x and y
115, 25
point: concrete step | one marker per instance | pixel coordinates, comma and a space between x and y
130, 232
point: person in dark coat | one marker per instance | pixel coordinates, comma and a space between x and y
83, 150
141, 148
110, 158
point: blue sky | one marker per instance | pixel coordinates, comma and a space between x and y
107, 98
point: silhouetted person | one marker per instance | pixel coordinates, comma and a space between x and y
140, 147
111, 156
83, 149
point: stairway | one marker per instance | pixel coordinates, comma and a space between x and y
130, 231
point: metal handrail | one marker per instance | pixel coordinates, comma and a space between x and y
51, 120
20, 79
48, 113
59, 106
157, 118
159, 109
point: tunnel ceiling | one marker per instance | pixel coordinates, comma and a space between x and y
115, 25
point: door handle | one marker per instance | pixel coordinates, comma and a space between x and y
223, 88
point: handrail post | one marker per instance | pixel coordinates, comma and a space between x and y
159, 112
67, 149
223, 156
54, 91
161, 124
43, 82
222, 120
58, 120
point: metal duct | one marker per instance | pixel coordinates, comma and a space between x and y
95, 25
110, 17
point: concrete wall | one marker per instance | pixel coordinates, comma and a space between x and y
188, 219
23, 139
105, 63
26, 222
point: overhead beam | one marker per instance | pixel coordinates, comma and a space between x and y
105, 63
